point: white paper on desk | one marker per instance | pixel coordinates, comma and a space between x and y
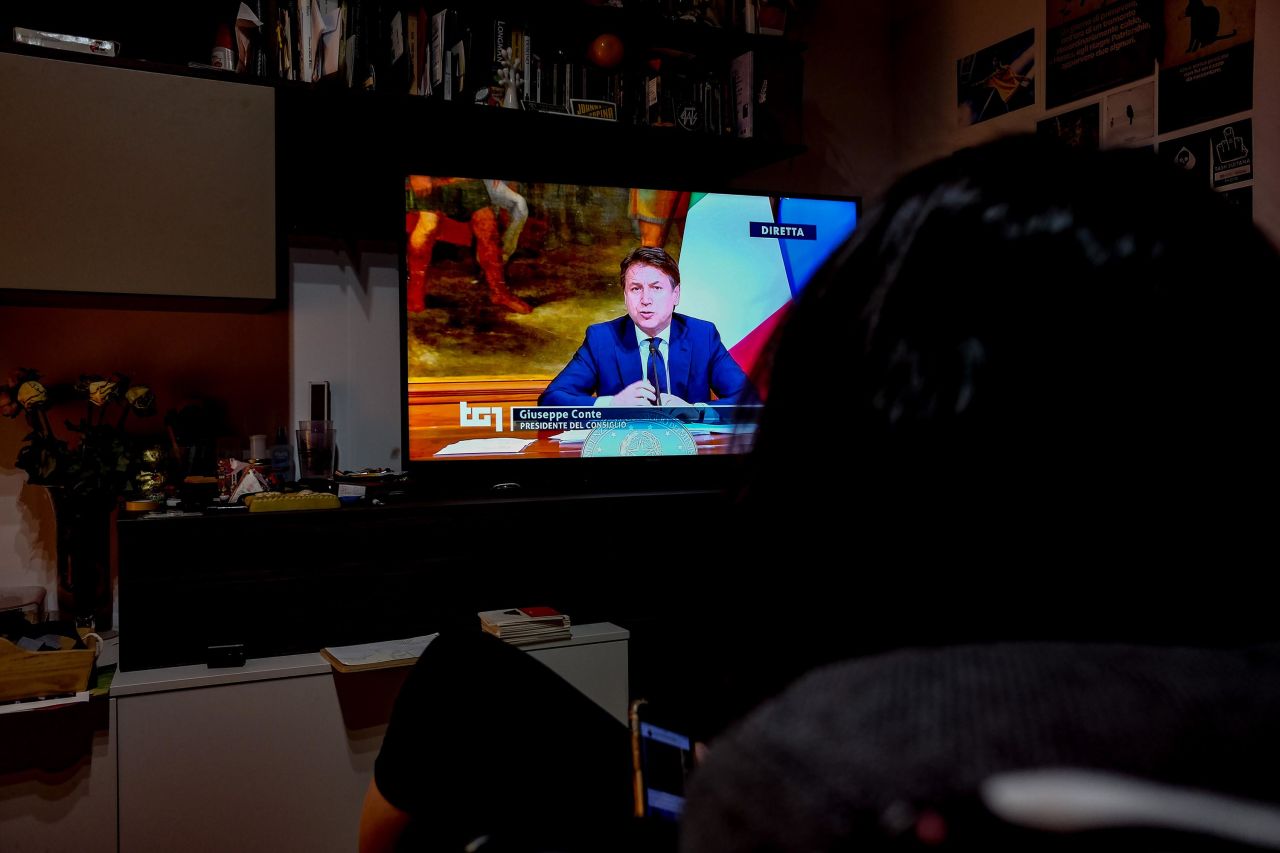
366, 653
485, 445
31, 705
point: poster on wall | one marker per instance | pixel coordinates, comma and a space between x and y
1206, 69
1130, 117
1219, 157
1189, 154
1076, 128
997, 80
1240, 200
1094, 45
1231, 148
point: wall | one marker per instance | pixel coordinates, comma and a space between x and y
345, 329
239, 359
928, 36
848, 103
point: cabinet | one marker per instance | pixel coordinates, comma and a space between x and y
277, 755
293, 582
127, 182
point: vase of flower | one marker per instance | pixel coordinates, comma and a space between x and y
84, 556
85, 478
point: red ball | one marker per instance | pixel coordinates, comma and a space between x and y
605, 50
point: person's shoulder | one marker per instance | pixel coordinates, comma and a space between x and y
694, 327
609, 329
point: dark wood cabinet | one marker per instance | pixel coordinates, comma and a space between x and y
291, 582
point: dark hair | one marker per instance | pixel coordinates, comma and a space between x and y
1020, 311
865, 754
1032, 379
651, 256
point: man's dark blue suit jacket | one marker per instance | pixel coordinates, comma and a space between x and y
609, 360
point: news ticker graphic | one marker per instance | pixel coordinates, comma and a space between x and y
567, 418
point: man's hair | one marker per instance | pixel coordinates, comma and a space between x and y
650, 256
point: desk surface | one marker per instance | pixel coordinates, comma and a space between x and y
143, 681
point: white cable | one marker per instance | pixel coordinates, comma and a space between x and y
1074, 800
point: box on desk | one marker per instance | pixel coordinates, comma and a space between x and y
28, 675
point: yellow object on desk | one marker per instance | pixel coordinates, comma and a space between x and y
273, 501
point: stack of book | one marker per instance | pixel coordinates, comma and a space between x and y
526, 625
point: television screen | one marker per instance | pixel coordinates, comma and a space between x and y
525, 339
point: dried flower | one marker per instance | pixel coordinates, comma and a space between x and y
141, 399
101, 392
105, 462
32, 395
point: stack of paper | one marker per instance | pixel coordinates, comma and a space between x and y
390, 653
485, 445
526, 625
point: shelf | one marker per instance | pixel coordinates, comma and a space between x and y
343, 155
641, 28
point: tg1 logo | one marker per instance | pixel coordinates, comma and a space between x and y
479, 416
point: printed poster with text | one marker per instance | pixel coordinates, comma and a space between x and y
1219, 157
1130, 117
997, 80
1206, 71
1240, 200
1094, 45
1076, 128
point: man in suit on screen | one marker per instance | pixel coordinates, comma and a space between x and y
653, 356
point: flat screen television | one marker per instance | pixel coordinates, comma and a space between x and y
517, 327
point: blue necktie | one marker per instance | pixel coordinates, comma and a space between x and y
657, 369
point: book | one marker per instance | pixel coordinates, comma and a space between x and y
415, 58
741, 72
382, 655
62, 41
522, 625
437, 48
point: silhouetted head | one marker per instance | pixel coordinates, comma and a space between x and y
1020, 328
